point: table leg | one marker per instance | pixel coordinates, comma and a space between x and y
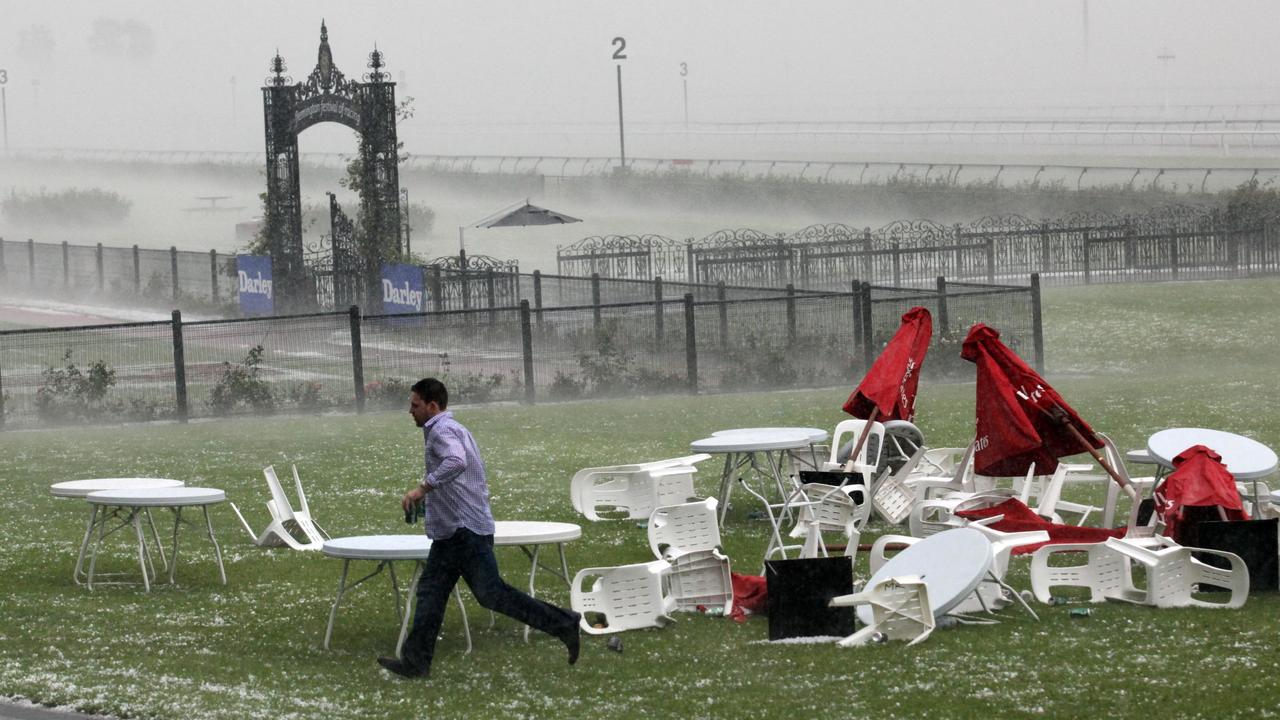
533, 576
84, 544
156, 535
142, 548
337, 599
404, 622
93, 557
395, 590
217, 551
177, 520
726, 485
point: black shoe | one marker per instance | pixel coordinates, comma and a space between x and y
401, 668
571, 638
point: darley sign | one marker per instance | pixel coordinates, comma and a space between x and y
254, 275
402, 289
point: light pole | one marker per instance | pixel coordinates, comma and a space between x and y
619, 54
4, 107
233, 99
684, 79
404, 200
1166, 57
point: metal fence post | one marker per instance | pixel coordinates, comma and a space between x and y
173, 269
897, 264
491, 295
213, 275
991, 259
855, 296
658, 330
1084, 255
1037, 324
944, 321
357, 357
179, 366
595, 302
66, 265
868, 262
137, 272
537, 296
723, 308
868, 333
526, 347
689, 269
4, 270
31, 262
435, 287
690, 345
791, 314
1173, 255
1, 400
1044, 247
97, 261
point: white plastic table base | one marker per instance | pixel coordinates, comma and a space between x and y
385, 550
530, 536
81, 488
134, 503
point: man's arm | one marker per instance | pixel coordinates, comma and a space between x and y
447, 443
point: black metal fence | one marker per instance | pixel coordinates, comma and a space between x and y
206, 283
350, 361
1170, 244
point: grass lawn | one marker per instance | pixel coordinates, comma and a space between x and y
1132, 359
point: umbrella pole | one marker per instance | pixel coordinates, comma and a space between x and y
862, 439
1128, 488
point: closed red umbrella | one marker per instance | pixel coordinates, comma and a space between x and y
1021, 419
888, 391
1199, 479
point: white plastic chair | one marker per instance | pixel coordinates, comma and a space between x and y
1142, 485
701, 579
891, 497
868, 457
688, 527
901, 440
822, 509
631, 492
1172, 573
925, 485
899, 610
627, 597
285, 521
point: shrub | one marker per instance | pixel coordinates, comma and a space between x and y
388, 392
66, 207
67, 394
306, 395
242, 385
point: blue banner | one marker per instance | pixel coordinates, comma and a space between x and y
254, 273
402, 289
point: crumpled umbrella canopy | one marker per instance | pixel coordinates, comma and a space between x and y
1021, 419
889, 387
527, 215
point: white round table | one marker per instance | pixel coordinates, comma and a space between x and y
530, 536
81, 488
952, 564
385, 550
1245, 458
134, 503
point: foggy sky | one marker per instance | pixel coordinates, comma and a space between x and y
145, 74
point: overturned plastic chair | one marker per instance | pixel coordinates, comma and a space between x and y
627, 597
899, 609
1173, 573
688, 537
631, 492
683, 528
286, 523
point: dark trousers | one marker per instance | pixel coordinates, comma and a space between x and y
470, 556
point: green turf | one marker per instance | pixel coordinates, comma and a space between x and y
1132, 359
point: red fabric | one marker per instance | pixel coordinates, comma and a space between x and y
1199, 479
750, 596
1020, 518
890, 385
1021, 420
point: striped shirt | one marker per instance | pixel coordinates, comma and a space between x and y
459, 495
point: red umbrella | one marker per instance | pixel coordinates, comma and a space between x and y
888, 391
1021, 419
1199, 479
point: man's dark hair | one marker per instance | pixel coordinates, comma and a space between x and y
432, 389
